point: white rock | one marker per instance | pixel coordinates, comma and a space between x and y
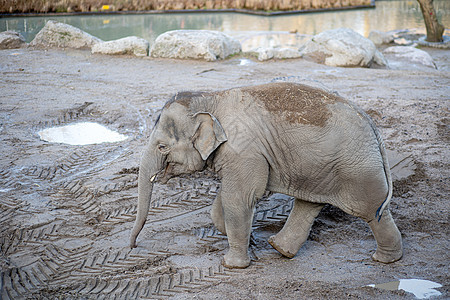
266, 53
55, 34
285, 53
340, 48
131, 45
269, 39
409, 55
380, 38
403, 42
379, 59
262, 53
195, 44
11, 40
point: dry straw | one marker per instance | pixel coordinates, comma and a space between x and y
70, 6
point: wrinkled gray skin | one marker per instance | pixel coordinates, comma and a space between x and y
282, 137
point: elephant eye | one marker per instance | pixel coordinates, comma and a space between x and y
163, 148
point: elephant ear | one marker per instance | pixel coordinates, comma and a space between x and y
209, 134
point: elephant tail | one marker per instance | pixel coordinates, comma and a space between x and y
387, 169
387, 172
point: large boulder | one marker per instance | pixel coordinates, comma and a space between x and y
270, 39
264, 54
131, 45
195, 44
379, 37
406, 57
11, 40
60, 35
285, 53
342, 47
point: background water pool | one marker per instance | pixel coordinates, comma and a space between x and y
388, 15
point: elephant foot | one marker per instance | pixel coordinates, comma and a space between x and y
387, 257
281, 247
234, 261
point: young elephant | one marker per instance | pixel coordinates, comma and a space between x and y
282, 137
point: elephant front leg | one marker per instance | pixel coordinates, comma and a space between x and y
296, 230
238, 223
240, 190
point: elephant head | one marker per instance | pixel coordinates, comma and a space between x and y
181, 142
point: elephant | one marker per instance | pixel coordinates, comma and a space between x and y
281, 137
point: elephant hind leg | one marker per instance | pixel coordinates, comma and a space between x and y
217, 214
296, 230
388, 237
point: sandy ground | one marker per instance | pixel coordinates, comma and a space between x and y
66, 211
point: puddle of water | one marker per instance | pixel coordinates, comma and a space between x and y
245, 62
81, 134
422, 289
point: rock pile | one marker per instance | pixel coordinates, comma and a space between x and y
338, 47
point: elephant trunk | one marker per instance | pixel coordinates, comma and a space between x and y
147, 174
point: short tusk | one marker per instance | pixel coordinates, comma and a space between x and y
153, 178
